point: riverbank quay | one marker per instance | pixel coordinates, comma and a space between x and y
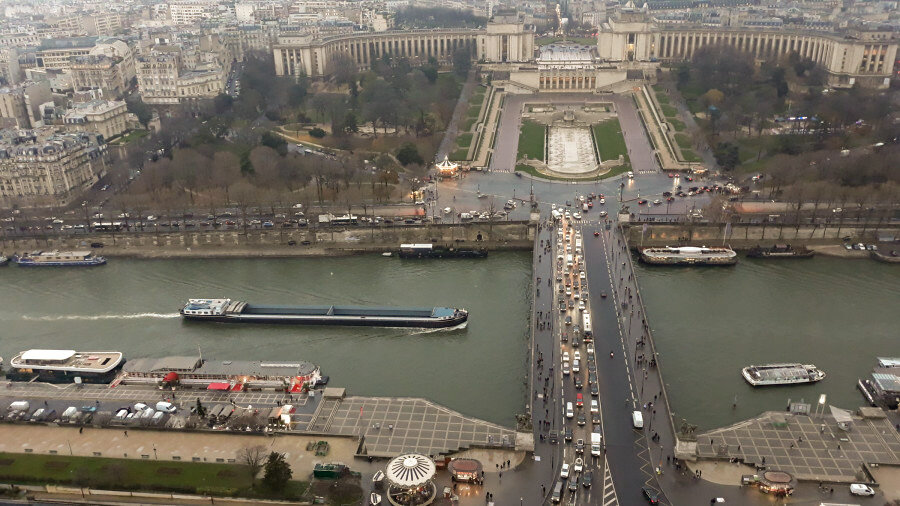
358, 431
496, 236
742, 236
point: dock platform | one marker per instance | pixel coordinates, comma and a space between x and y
826, 453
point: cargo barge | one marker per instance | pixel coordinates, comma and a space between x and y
780, 251
432, 251
782, 374
688, 255
65, 366
235, 311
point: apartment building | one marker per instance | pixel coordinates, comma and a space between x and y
41, 167
106, 117
20, 104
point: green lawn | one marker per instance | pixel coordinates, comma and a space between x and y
531, 140
677, 124
609, 139
668, 110
683, 141
615, 171
657, 88
464, 140
131, 136
468, 124
662, 98
473, 111
132, 474
460, 155
690, 156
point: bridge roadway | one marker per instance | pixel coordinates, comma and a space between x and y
628, 449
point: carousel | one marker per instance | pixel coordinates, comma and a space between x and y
409, 479
778, 483
446, 168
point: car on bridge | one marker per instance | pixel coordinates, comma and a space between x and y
564, 471
649, 494
586, 479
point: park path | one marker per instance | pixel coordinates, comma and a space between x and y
462, 105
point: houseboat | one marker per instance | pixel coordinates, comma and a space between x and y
58, 259
65, 366
688, 255
225, 375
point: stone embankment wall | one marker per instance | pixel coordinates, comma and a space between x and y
747, 236
274, 242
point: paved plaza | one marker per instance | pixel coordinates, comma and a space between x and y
418, 426
570, 150
388, 425
809, 447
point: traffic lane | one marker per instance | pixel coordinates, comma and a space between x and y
570, 392
622, 440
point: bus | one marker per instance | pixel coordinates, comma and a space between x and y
107, 226
586, 323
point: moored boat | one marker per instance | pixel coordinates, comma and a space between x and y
782, 374
223, 375
235, 311
3, 260
63, 366
432, 251
780, 251
58, 259
688, 255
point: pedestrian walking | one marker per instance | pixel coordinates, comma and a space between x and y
126, 433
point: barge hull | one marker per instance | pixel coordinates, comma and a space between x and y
318, 320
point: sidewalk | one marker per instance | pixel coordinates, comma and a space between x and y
169, 445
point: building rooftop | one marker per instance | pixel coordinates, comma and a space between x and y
68, 43
96, 361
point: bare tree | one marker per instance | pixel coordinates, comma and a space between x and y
253, 457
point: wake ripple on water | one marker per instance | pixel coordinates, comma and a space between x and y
132, 316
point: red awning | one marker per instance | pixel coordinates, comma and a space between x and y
219, 386
238, 388
172, 376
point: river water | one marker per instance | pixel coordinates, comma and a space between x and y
710, 322
131, 306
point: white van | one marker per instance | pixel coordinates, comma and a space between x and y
637, 419
570, 413
569, 260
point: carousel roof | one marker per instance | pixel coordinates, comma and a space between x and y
446, 164
410, 470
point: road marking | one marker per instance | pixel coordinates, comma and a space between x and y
609, 488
